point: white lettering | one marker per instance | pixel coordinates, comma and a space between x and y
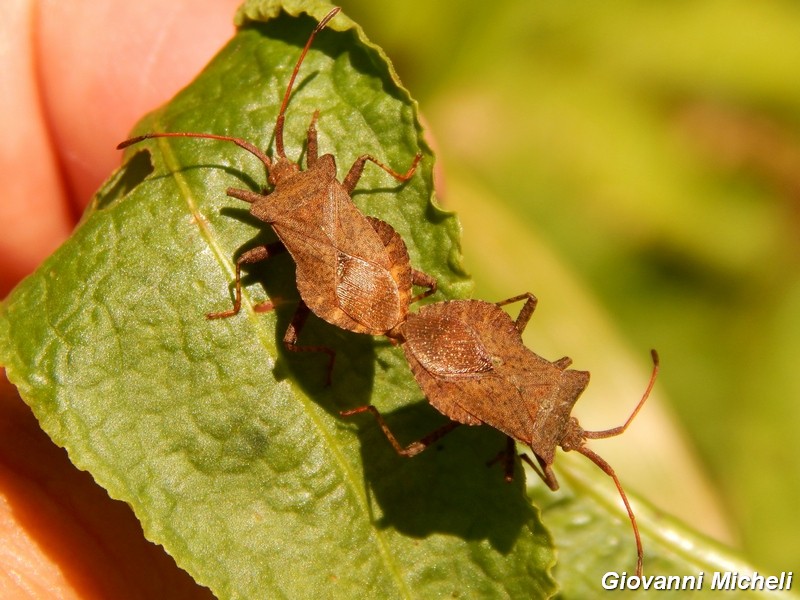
610, 580
700, 580
722, 581
666, 583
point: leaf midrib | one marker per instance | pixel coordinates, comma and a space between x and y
348, 475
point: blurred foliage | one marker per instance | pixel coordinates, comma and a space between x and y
654, 148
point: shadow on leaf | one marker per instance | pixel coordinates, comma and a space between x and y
448, 488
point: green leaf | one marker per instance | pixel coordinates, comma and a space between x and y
230, 451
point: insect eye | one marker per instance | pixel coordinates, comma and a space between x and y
497, 361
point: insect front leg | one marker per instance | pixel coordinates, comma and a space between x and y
527, 309
354, 174
543, 470
413, 448
292, 333
245, 195
250, 257
507, 456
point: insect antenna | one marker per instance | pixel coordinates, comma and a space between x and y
210, 136
607, 433
238, 141
596, 459
282, 113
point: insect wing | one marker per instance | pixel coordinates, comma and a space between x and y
488, 375
344, 271
446, 346
364, 284
455, 368
399, 260
367, 293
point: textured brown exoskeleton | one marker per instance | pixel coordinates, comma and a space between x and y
469, 359
347, 264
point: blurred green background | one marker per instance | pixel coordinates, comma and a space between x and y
637, 166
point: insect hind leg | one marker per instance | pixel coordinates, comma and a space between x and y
411, 449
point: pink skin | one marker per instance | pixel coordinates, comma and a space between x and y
75, 77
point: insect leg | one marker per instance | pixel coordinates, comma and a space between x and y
245, 195
563, 362
423, 280
312, 151
354, 174
293, 331
251, 256
544, 471
507, 456
413, 448
527, 309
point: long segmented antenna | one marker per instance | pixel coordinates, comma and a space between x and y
596, 459
614, 431
278, 124
606, 468
210, 136
282, 113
